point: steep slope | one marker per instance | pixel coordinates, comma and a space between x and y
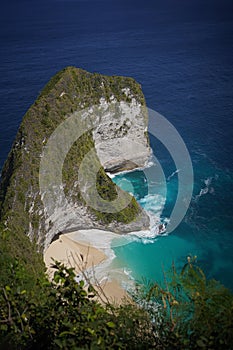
111, 113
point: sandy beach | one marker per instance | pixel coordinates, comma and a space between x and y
81, 257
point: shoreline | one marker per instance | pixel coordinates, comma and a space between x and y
75, 250
149, 162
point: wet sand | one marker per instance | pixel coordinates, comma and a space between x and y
82, 256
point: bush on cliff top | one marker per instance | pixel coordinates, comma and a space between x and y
188, 313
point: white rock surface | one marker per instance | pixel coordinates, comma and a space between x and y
120, 136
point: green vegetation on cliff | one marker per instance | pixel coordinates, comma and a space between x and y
21, 207
72, 89
189, 312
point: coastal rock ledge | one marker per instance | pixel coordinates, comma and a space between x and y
115, 112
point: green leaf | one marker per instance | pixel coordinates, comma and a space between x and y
91, 331
66, 333
59, 343
81, 283
3, 327
111, 325
99, 341
201, 343
24, 317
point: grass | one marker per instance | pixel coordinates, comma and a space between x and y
69, 90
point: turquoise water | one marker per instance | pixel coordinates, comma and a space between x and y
205, 230
147, 261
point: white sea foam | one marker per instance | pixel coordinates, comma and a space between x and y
106, 241
208, 188
203, 191
101, 240
111, 175
153, 203
149, 163
105, 271
157, 228
208, 181
173, 174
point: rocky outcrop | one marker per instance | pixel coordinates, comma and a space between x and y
121, 137
45, 193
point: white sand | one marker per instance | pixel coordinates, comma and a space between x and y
82, 256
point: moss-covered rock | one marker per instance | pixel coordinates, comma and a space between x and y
22, 206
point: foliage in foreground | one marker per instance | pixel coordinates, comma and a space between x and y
67, 316
190, 312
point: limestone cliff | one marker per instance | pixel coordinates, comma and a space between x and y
115, 135
121, 137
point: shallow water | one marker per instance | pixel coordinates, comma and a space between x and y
206, 230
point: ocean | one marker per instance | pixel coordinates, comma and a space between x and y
182, 55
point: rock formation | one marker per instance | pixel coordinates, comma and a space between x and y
110, 125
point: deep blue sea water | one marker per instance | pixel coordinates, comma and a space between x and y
182, 54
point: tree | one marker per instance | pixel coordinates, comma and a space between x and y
190, 311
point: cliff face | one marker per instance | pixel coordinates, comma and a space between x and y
110, 122
121, 136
